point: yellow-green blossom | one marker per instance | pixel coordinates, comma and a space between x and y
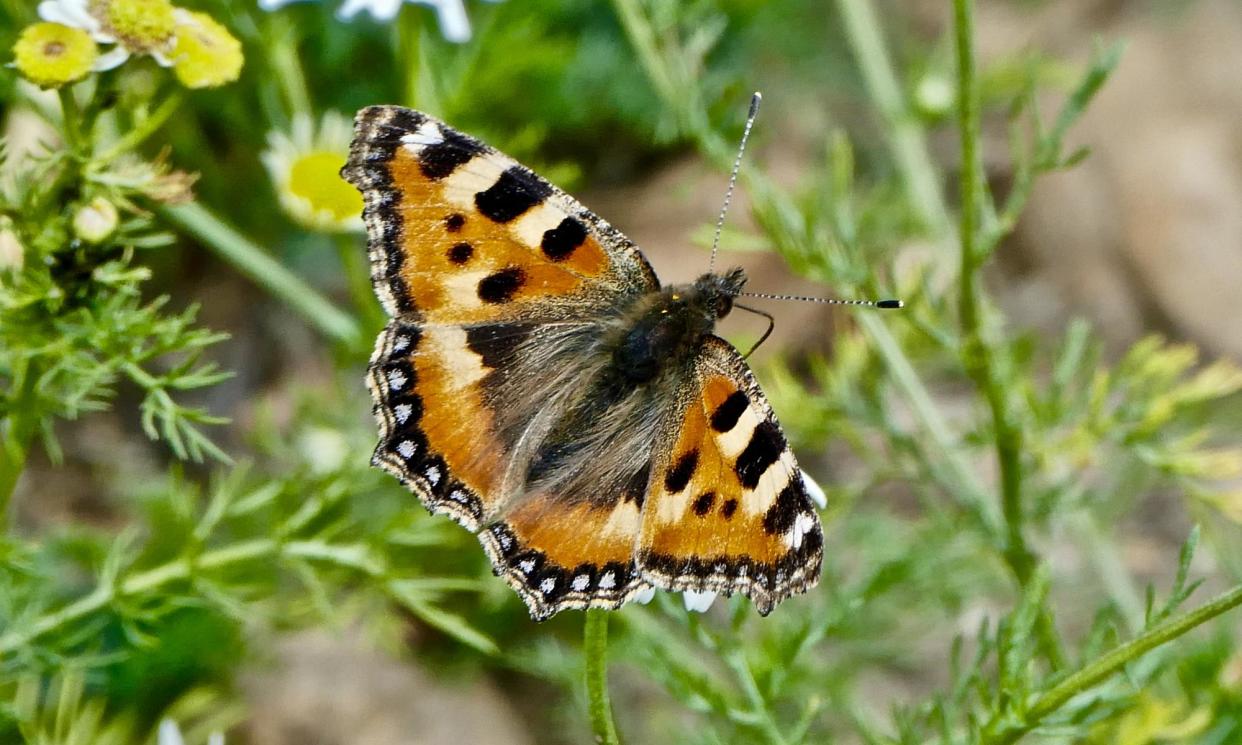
95, 221
305, 167
206, 55
51, 55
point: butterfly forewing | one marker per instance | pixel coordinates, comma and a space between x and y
461, 233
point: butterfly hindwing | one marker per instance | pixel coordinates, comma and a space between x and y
461, 233
728, 509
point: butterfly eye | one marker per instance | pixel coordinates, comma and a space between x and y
724, 304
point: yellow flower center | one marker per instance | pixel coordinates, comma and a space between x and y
140, 25
50, 55
206, 55
315, 177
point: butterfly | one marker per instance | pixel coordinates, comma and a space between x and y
539, 385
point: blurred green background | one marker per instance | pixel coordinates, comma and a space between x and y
192, 531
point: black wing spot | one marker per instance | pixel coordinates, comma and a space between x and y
764, 448
497, 343
515, 192
728, 508
454, 222
560, 242
781, 516
726, 415
679, 475
501, 286
703, 504
438, 161
460, 253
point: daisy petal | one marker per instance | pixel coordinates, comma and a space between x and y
454, 24
814, 491
112, 58
169, 733
68, 13
644, 596
699, 601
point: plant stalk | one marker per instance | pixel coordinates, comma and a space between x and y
1104, 667
268, 273
595, 652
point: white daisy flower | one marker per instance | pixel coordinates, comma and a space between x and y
305, 165
454, 23
134, 26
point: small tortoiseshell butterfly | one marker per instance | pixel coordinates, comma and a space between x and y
539, 385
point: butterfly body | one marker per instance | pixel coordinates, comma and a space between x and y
540, 386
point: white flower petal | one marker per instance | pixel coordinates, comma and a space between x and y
454, 24
644, 596
114, 57
699, 601
270, 5
169, 733
814, 491
69, 13
380, 10
215, 738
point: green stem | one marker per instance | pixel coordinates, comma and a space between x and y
595, 650
17, 430
268, 273
282, 52
920, 176
184, 568
71, 115
145, 129
736, 660
1105, 667
978, 357
357, 273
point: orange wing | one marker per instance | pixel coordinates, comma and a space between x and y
490, 273
728, 509
461, 233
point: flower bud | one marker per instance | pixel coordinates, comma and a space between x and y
95, 221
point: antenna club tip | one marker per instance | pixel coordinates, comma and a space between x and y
890, 304
755, 99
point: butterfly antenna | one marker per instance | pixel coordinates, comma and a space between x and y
737, 164
882, 304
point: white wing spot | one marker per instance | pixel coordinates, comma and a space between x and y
426, 134
402, 412
396, 380
608, 581
547, 585
581, 582
527, 566
433, 474
803, 524
406, 449
401, 343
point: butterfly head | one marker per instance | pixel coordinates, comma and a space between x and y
716, 291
